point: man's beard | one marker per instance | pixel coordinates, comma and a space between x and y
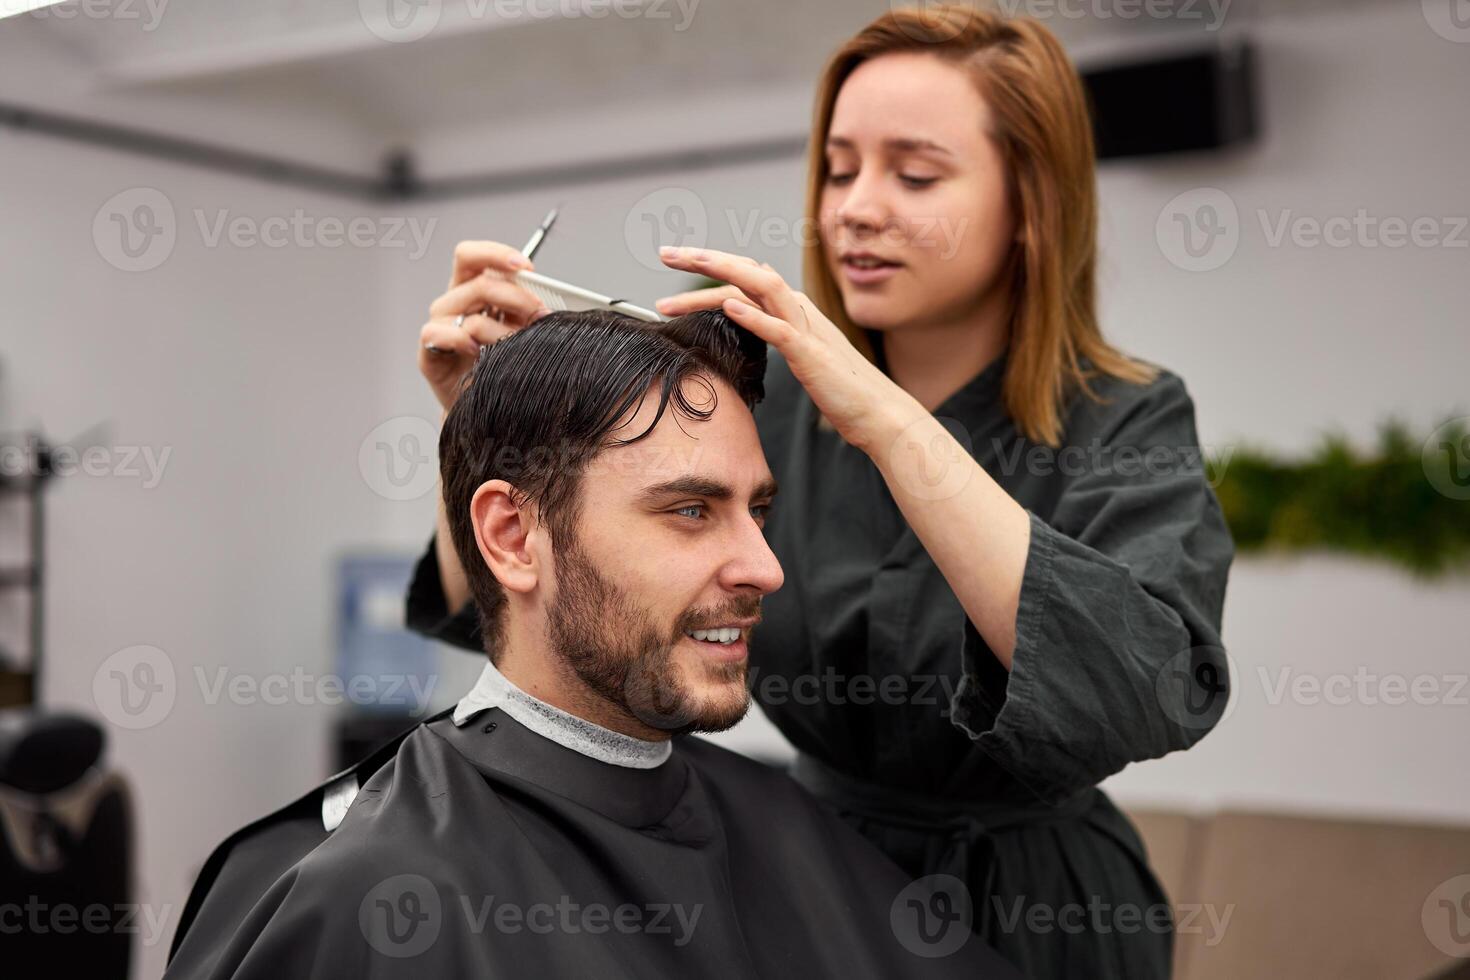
614, 647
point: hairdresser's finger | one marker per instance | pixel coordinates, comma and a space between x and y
473, 257
484, 329
442, 336
762, 284
488, 289
708, 298
773, 330
516, 303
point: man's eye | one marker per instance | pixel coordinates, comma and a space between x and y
760, 511
698, 511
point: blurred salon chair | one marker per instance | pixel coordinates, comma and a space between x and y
65, 850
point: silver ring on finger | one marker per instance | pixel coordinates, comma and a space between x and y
459, 321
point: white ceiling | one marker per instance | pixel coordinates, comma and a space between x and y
481, 60
347, 84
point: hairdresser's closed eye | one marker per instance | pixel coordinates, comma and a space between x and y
911, 180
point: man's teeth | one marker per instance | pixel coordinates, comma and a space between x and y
727, 634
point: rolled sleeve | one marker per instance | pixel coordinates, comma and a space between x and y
1118, 643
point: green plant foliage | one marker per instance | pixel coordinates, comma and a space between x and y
1385, 505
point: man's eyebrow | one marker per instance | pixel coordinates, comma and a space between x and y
901, 144
698, 486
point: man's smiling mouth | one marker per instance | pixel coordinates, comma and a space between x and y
724, 634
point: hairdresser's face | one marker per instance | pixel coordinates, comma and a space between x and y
656, 598
915, 181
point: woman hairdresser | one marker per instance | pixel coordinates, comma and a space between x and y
1005, 567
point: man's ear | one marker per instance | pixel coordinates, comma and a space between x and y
503, 532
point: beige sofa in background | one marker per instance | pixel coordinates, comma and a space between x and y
1309, 897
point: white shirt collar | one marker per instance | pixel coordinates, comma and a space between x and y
494, 690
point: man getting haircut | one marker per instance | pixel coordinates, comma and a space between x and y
605, 492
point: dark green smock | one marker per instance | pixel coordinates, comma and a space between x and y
906, 722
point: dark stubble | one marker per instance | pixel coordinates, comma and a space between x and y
612, 643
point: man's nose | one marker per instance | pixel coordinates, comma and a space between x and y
752, 565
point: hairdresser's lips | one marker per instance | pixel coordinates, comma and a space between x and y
863, 268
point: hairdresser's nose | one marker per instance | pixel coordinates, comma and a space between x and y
750, 565
865, 206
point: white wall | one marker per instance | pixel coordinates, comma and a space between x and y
258, 372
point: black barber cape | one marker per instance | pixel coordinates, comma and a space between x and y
491, 850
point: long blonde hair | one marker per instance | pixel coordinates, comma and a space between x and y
1045, 137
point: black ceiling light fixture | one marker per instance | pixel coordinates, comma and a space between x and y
1180, 102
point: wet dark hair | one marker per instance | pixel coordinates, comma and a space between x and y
540, 404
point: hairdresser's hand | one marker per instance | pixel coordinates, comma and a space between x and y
446, 351
857, 398
708, 298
